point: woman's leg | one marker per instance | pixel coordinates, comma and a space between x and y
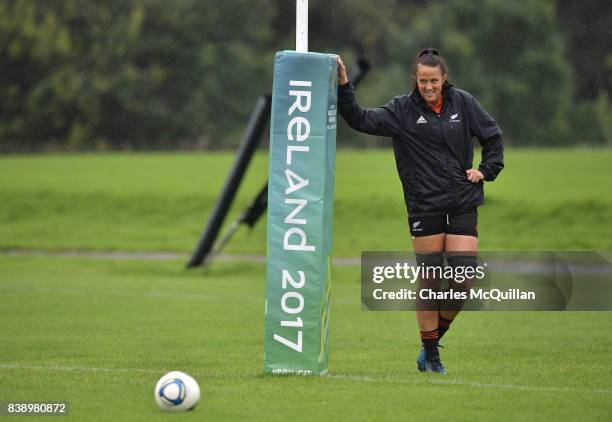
428, 320
456, 244
429, 251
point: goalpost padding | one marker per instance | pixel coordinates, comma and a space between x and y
300, 211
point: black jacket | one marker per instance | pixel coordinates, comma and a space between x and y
432, 152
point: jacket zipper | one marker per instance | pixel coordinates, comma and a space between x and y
448, 167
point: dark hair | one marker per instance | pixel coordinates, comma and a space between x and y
428, 57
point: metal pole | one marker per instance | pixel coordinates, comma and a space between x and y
301, 26
248, 217
255, 128
260, 203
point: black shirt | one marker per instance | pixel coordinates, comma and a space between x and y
432, 151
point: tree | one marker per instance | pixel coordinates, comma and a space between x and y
140, 73
509, 55
587, 33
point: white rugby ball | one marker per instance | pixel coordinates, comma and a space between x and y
177, 392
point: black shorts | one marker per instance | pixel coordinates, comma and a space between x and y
461, 223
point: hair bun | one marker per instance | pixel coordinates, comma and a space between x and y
429, 51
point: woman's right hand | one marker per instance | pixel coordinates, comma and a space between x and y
342, 75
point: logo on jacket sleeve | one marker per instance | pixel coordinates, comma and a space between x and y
453, 118
421, 120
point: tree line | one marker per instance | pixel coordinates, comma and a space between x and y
152, 74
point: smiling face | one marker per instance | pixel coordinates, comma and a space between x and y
430, 81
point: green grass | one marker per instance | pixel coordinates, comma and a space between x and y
544, 199
99, 333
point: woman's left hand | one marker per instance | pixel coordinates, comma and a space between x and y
474, 175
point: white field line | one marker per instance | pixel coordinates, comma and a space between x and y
12, 366
115, 255
146, 293
150, 294
153, 256
442, 381
74, 368
515, 267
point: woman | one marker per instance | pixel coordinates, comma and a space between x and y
432, 130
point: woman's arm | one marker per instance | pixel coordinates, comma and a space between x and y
484, 127
381, 121
492, 157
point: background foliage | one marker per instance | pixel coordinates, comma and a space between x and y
148, 74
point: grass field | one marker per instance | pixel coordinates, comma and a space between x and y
543, 200
98, 333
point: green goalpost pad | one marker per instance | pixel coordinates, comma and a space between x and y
300, 211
